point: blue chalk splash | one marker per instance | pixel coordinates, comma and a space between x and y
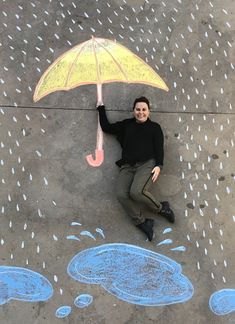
179, 248
168, 241
83, 300
63, 311
167, 230
75, 224
222, 302
73, 237
132, 274
100, 231
86, 233
23, 284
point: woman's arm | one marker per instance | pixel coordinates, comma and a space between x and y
159, 152
159, 146
107, 127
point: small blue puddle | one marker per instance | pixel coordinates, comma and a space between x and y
222, 302
63, 311
83, 300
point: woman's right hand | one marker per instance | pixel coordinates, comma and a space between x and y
99, 103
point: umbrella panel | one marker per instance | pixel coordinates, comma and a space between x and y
95, 62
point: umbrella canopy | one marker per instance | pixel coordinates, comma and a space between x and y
96, 61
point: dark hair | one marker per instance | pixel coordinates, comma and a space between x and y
141, 99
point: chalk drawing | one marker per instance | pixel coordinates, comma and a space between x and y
73, 237
63, 311
179, 248
167, 241
23, 284
132, 274
83, 300
101, 61
100, 231
203, 192
167, 230
76, 224
222, 302
87, 233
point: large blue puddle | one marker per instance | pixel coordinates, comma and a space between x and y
23, 284
132, 274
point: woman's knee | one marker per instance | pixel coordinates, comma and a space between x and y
136, 194
122, 196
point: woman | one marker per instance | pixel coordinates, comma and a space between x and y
142, 160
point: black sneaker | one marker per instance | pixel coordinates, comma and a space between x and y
147, 228
167, 212
149, 221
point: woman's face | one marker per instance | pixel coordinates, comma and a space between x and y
141, 112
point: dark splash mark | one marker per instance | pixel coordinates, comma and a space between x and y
190, 206
215, 156
132, 274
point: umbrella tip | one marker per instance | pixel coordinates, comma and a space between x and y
35, 99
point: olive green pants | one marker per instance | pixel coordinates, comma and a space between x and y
133, 187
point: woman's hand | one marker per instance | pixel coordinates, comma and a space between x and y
99, 103
156, 171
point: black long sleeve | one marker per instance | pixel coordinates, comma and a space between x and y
139, 141
107, 127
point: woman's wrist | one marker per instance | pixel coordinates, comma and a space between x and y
159, 166
99, 103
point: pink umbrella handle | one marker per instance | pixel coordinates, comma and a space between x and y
99, 94
99, 152
99, 158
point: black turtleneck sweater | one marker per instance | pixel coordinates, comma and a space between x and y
139, 141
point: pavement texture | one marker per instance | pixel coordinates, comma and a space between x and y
53, 205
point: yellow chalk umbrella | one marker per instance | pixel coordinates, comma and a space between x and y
96, 61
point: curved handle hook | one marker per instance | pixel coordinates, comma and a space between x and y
99, 158
99, 152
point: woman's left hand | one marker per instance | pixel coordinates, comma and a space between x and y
156, 171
